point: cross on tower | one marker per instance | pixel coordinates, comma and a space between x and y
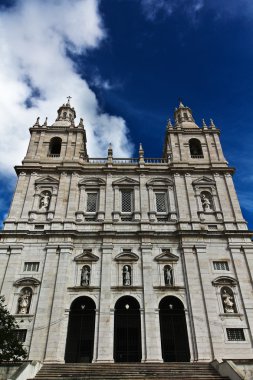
69, 97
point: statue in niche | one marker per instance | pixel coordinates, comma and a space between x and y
168, 275
206, 204
228, 301
85, 276
24, 301
126, 275
45, 201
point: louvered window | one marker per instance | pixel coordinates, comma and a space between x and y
220, 265
126, 201
31, 266
161, 205
92, 202
235, 334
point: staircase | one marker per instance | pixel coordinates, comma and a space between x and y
132, 371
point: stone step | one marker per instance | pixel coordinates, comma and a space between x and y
124, 371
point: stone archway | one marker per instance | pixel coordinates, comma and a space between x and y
81, 327
127, 330
174, 337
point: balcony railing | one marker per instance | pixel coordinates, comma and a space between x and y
127, 161
53, 155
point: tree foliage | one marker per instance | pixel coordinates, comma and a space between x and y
11, 349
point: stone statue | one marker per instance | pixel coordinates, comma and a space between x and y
45, 201
126, 276
228, 302
168, 276
206, 203
85, 276
24, 302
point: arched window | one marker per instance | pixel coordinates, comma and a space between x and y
168, 275
55, 146
85, 275
195, 148
24, 301
228, 300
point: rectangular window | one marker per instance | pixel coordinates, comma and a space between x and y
126, 201
235, 334
220, 265
160, 199
30, 266
21, 335
92, 202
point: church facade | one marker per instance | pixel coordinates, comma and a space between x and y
128, 260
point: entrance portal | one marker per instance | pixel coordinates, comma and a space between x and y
80, 338
127, 330
174, 337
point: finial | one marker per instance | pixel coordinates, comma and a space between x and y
81, 122
141, 154
212, 125
169, 125
110, 149
180, 103
45, 123
68, 103
204, 124
37, 123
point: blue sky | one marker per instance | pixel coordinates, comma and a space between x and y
126, 63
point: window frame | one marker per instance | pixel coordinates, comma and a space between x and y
31, 262
88, 192
131, 192
166, 203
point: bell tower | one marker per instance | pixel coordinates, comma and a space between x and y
61, 142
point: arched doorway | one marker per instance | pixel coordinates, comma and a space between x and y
80, 338
127, 330
174, 337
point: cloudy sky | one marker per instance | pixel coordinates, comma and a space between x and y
126, 63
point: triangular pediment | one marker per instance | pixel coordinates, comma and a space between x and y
166, 256
127, 255
27, 281
48, 180
86, 255
92, 181
204, 181
160, 182
126, 181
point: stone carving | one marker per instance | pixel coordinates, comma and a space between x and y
85, 276
126, 275
206, 204
168, 275
228, 301
24, 301
45, 201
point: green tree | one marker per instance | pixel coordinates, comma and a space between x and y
11, 349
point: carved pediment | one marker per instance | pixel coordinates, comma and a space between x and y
48, 180
27, 281
127, 255
203, 181
224, 280
166, 256
92, 182
86, 256
126, 181
160, 182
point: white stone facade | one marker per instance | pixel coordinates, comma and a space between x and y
178, 214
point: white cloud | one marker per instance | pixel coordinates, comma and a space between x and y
35, 38
232, 8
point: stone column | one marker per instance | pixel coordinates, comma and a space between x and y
101, 204
173, 211
202, 350
152, 212
152, 334
117, 210
105, 333
55, 348
137, 212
